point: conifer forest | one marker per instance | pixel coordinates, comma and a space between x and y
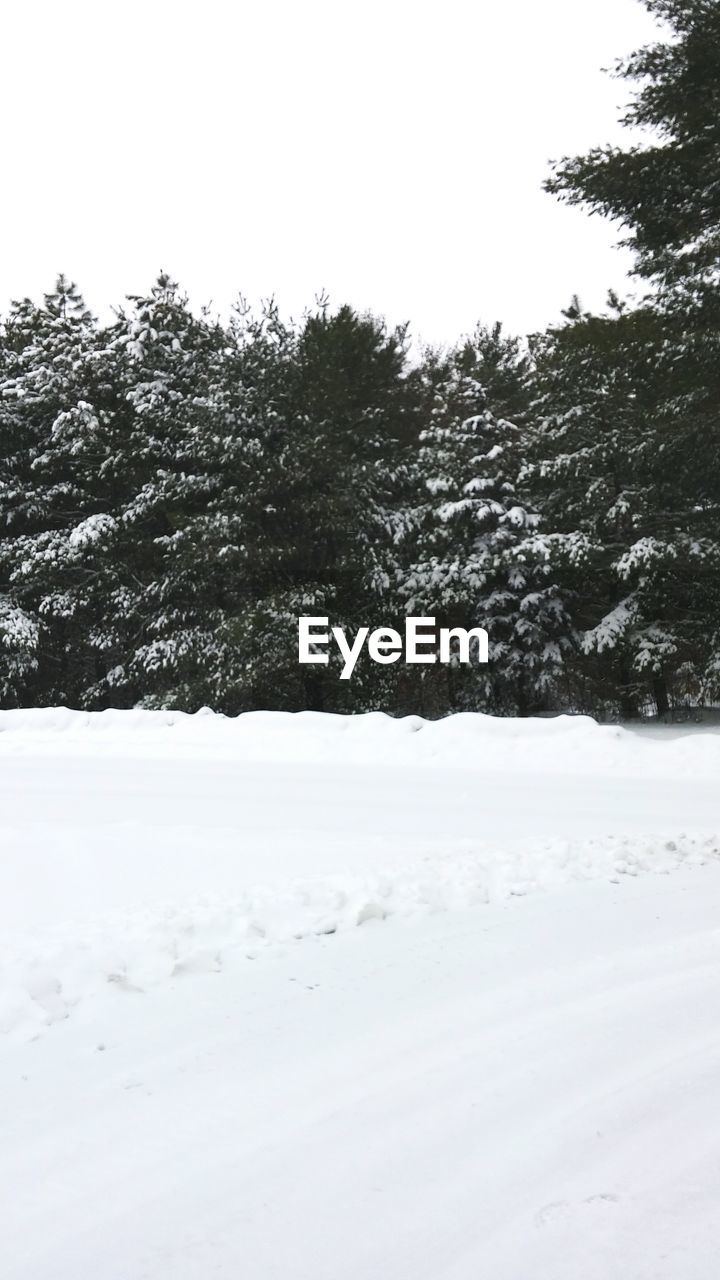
176, 488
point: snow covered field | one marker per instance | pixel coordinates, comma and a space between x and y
353, 998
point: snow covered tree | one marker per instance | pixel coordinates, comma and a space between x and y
186, 455
349, 424
47, 373
629, 538
664, 190
176, 492
661, 383
473, 561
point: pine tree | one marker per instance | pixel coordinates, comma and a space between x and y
48, 382
660, 422
353, 422
664, 190
473, 561
181, 474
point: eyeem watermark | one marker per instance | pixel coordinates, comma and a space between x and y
422, 642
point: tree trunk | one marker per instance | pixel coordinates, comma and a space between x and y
660, 694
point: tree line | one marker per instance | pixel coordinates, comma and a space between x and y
177, 489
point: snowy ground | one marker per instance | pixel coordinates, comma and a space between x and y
289, 997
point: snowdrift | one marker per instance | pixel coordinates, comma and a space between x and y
576, 744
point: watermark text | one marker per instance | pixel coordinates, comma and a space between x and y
422, 642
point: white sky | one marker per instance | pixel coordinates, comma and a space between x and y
390, 152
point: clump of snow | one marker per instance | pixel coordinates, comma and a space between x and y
91, 530
44, 977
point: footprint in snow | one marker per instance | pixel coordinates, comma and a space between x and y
560, 1209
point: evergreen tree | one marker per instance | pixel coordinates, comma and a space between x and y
664, 191
354, 422
48, 383
473, 561
626, 542
186, 509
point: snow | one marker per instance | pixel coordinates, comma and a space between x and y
320, 996
91, 530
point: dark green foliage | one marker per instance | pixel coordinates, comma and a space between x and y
632, 400
664, 190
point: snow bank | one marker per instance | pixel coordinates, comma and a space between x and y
574, 744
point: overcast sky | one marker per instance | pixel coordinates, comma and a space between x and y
390, 152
